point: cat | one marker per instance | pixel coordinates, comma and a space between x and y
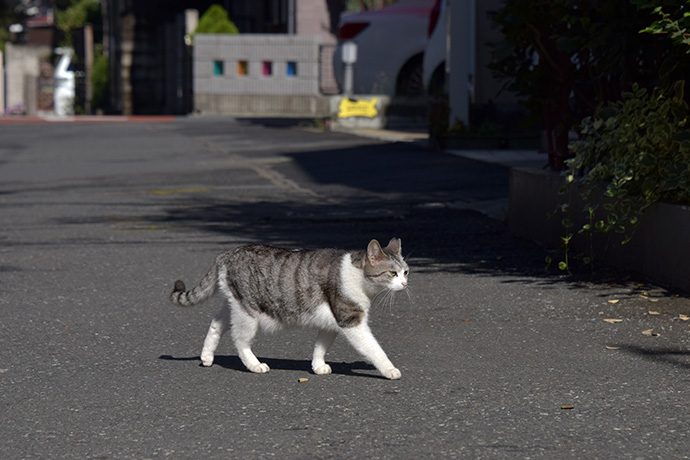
269, 287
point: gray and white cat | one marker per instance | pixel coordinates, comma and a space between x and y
269, 287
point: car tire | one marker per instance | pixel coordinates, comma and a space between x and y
437, 83
410, 82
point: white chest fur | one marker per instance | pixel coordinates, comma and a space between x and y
354, 283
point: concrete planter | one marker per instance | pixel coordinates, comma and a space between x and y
660, 248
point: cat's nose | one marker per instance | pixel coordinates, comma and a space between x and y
404, 283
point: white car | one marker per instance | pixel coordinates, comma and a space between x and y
435, 66
390, 48
434, 73
64, 92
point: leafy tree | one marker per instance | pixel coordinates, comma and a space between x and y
564, 58
363, 5
216, 21
73, 18
9, 15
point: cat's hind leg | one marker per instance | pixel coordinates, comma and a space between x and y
323, 342
244, 328
219, 325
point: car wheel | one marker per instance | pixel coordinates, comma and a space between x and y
437, 83
411, 79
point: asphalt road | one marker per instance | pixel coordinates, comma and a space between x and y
499, 359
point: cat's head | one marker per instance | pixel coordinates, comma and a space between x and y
386, 267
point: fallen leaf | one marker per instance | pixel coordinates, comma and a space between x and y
567, 407
466, 320
614, 300
650, 333
302, 380
612, 348
684, 317
652, 312
651, 299
613, 320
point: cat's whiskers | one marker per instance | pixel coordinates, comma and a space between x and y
384, 297
409, 292
390, 297
378, 299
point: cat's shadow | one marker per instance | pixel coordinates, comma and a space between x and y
234, 363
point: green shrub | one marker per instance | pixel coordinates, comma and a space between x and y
676, 25
99, 80
636, 152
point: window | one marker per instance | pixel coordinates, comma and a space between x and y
267, 68
291, 70
242, 68
218, 68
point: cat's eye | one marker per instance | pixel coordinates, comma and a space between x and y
393, 274
406, 272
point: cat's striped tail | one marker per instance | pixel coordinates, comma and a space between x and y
205, 289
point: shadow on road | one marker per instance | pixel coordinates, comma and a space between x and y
407, 171
373, 191
676, 357
436, 239
234, 363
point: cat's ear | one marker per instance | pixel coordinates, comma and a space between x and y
395, 246
375, 254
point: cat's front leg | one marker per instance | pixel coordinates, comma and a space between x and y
323, 342
363, 341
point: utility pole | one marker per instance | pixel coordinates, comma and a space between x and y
461, 52
88, 66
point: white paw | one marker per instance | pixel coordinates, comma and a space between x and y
392, 374
260, 368
322, 369
206, 359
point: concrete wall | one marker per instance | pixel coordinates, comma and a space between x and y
313, 18
220, 86
2, 85
23, 70
659, 249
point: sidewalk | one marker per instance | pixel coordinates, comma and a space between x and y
88, 119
